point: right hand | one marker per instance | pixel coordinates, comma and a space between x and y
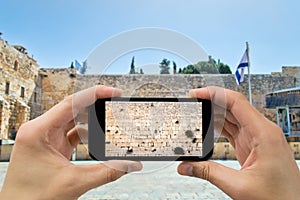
268, 169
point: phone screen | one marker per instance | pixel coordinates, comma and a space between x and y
151, 128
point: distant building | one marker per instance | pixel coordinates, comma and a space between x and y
287, 105
18, 75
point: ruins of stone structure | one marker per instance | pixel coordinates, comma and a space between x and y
27, 91
18, 88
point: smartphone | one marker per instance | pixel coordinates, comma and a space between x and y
151, 129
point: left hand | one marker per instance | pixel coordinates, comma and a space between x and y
39, 166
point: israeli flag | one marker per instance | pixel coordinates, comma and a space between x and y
78, 66
239, 73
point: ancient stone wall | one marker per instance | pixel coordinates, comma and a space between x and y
18, 81
35, 102
292, 71
179, 85
57, 83
153, 129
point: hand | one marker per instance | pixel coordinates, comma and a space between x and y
268, 169
39, 166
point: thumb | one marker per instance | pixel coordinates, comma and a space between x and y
92, 176
227, 179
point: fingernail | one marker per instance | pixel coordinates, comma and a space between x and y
133, 168
186, 169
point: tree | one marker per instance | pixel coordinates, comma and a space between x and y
72, 65
211, 60
223, 68
174, 67
132, 67
164, 66
190, 69
207, 67
141, 71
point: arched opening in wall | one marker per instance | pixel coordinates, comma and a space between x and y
16, 65
153, 90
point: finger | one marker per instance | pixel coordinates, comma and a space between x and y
69, 126
219, 175
231, 118
85, 98
220, 121
221, 118
231, 101
82, 117
96, 175
73, 136
231, 128
78, 134
216, 94
66, 110
82, 131
228, 137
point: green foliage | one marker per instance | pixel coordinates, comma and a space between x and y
202, 67
191, 69
206, 67
223, 68
164, 66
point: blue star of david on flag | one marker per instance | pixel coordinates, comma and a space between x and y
239, 73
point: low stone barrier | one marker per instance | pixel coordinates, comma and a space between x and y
222, 151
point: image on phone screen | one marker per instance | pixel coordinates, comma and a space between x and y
143, 128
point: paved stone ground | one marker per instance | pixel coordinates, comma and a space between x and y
157, 180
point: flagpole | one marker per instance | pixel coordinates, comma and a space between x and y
249, 75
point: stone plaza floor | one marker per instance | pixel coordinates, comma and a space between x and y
157, 180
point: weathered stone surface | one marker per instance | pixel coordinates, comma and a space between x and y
60, 82
19, 73
56, 84
153, 128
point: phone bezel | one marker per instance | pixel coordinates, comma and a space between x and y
96, 130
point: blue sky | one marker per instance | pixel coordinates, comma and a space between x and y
58, 31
